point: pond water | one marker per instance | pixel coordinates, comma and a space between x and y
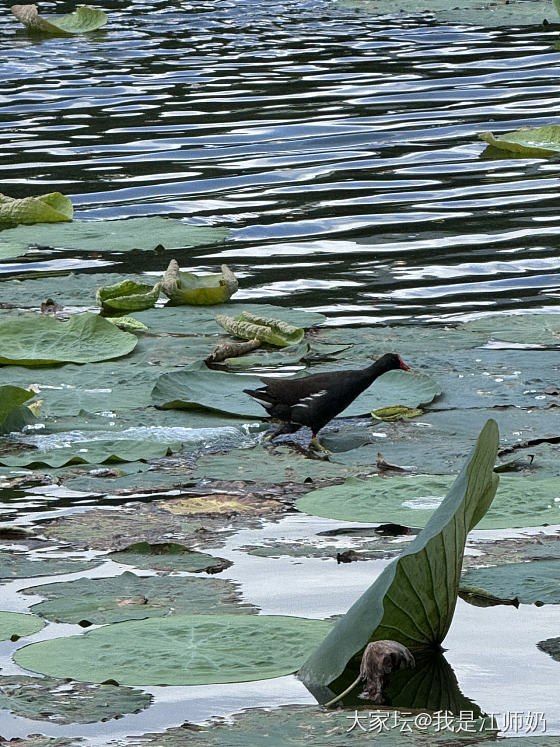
342, 151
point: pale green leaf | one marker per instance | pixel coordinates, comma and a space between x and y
534, 141
127, 295
83, 19
17, 623
251, 326
50, 208
198, 290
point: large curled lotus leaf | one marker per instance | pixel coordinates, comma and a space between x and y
123, 235
168, 556
33, 340
17, 623
198, 290
11, 401
82, 20
250, 326
413, 599
473, 12
528, 329
132, 597
533, 141
93, 452
64, 702
20, 565
180, 650
294, 726
530, 583
50, 208
411, 501
128, 295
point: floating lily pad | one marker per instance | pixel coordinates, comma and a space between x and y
31, 340
551, 646
113, 235
519, 502
18, 565
198, 290
49, 208
169, 556
83, 19
180, 650
127, 295
131, 597
373, 549
17, 623
533, 141
93, 452
250, 326
524, 329
12, 409
63, 702
531, 583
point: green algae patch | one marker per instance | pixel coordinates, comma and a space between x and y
180, 650
18, 624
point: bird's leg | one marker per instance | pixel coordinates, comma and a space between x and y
316, 445
283, 429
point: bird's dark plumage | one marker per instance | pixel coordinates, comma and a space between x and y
316, 399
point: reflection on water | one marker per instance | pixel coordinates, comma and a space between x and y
340, 148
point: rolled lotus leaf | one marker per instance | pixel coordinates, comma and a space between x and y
528, 141
128, 323
81, 21
198, 290
128, 295
250, 326
50, 208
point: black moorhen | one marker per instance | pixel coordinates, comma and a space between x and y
317, 399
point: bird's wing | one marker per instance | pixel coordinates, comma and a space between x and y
291, 390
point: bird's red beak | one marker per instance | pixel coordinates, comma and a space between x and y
403, 365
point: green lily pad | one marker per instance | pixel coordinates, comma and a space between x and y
525, 329
198, 290
250, 326
17, 623
18, 565
551, 647
63, 702
413, 599
49, 208
519, 502
169, 556
83, 19
131, 597
534, 141
31, 340
531, 583
93, 452
127, 295
11, 401
113, 235
180, 650
288, 356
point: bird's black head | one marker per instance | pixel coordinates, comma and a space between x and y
390, 361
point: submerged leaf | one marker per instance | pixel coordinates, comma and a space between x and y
49, 208
198, 290
534, 141
128, 295
32, 340
250, 326
180, 650
414, 598
83, 19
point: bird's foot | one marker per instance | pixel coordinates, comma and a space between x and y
316, 446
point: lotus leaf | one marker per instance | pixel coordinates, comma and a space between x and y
63, 702
198, 290
519, 502
551, 647
169, 556
413, 599
251, 326
83, 19
399, 412
529, 329
31, 340
530, 583
20, 565
11, 401
131, 597
535, 141
93, 452
127, 323
128, 295
112, 235
180, 650
17, 623
265, 359
49, 208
